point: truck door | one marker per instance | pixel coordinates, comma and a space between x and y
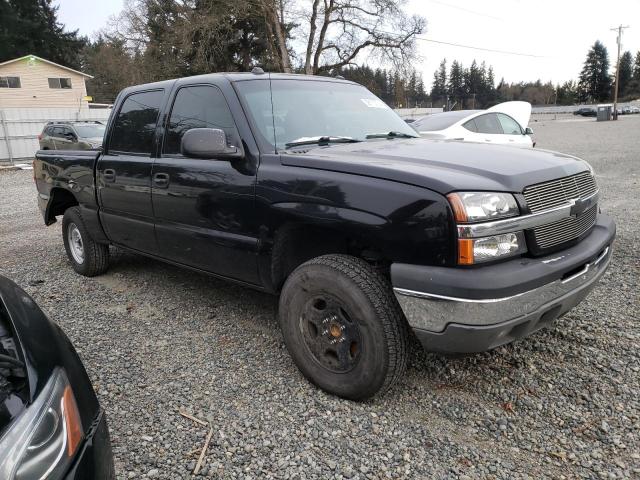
123, 175
204, 208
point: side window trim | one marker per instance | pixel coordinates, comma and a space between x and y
167, 120
111, 126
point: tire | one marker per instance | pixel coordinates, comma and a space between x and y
87, 257
343, 326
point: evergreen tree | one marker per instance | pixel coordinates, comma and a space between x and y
456, 84
567, 93
439, 87
474, 84
595, 82
32, 27
490, 96
626, 74
634, 85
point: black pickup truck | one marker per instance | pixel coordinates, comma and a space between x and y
313, 189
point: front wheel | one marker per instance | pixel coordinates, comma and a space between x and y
88, 257
343, 327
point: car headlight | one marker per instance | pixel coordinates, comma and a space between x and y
486, 249
43, 441
482, 206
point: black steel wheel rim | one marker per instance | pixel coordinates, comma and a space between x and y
330, 334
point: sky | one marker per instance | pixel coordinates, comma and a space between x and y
556, 33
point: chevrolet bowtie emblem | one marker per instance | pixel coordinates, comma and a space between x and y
579, 206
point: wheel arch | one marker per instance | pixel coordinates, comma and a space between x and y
60, 199
295, 243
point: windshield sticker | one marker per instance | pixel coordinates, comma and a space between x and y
374, 103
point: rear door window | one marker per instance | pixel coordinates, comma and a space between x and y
198, 106
470, 125
135, 125
488, 124
509, 125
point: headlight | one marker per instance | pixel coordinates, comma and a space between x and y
482, 206
486, 249
44, 439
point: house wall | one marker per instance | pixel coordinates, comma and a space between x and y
34, 88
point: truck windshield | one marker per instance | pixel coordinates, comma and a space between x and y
304, 109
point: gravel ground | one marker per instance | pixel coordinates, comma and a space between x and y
155, 339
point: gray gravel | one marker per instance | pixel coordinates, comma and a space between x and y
155, 339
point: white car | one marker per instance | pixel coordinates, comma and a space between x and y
504, 123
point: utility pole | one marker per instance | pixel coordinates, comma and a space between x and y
615, 90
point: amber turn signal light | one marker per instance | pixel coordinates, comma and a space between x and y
72, 421
459, 212
465, 251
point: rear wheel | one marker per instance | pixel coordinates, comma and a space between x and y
343, 327
88, 257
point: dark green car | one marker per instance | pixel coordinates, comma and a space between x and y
71, 136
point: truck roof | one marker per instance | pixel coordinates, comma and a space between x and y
240, 76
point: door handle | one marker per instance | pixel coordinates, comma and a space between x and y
109, 175
161, 180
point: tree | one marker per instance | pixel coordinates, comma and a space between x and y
456, 83
634, 86
112, 68
32, 27
567, 93
595, 82
439, 87
474, 82
626, 74
339, 31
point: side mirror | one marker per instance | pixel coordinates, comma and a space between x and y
207, 143
528, 131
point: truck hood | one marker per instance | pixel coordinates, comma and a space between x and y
441, 165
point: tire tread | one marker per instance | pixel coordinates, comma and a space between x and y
96, 254
380, 293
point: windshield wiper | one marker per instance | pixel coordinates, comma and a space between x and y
391, 134
321, 140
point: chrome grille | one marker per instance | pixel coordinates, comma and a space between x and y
558, 192
554, 194
566, 229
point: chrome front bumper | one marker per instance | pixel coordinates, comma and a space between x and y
433, 312
458, 310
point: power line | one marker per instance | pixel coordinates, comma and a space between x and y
504, 52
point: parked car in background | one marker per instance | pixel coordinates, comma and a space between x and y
71, 136
586, 112
51, 425
634, 110
505, 123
